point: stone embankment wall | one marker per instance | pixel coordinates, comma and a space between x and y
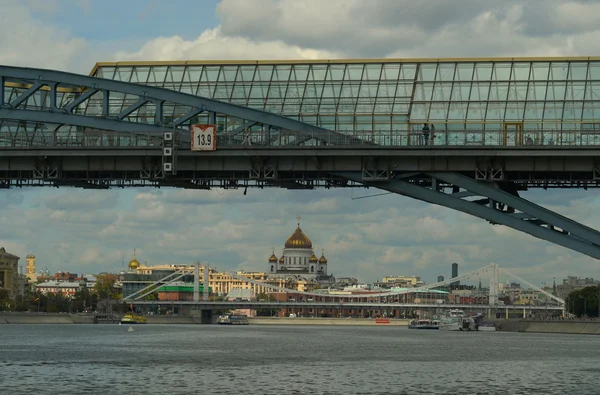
45, 318
536, 326
325, 321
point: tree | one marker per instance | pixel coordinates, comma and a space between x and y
105, 285
584, 301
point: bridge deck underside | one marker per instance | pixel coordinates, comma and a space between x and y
309, 167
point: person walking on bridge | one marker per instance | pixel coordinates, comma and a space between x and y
426, 133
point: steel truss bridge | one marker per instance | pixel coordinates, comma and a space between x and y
63, 129
384, 300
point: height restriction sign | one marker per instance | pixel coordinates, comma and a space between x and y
204, 138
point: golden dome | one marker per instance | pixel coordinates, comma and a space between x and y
282, 260
313, 258
298, 239
273, 258
323, 260
133, 264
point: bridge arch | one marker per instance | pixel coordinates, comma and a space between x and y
50, 97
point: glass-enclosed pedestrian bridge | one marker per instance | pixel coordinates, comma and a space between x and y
442, 139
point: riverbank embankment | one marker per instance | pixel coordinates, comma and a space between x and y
558, 326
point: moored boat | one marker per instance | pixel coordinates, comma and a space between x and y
233, 319
424, 324
132, 318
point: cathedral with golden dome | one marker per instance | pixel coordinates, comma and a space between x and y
298, 259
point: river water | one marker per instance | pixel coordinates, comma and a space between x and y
199, 359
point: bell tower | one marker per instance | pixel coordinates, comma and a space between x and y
30, 268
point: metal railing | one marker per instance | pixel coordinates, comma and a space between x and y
299, 140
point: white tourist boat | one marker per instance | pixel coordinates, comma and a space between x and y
424, 324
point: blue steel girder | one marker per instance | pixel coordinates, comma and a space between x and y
487, 201
76, 91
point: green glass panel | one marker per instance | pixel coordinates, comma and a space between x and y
140, 74
386, 90
559, 71
572, 111
427, 71
347, 105
423, 92
291, 108
299, 73
480, 91
239, 92
337, 90
318, 73
193, 74
205, 91
537, 91
384, 106
591, 111
372, 72
354, 72
327, 107
476, 111
282, 73
520, 71
461, 91
408, 71
264, 73
495, 111
464, 72
438, 111
594, 71
514, 111
458, 111
539, 71
442, 91
578, 71
345, 121
256, 92
420, 111
108, 72
593, 90
364, 120
404, 90
256, 103
390, 72
295, 91
123, 73
328, 91
367, 90
222, 92
246, 73
336, 72
534, 110
501, 71
445, 72
483, 72
365, 107
553, 111
313, 91
575, 90
188, 88
382, 122
349, 90
327, 121
556, 91
210, 74
177, 73
275, 92
498, 91
517, 91
401, 107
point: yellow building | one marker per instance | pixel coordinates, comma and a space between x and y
9, 273
408, 280
30, 268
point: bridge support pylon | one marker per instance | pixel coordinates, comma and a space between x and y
495, 201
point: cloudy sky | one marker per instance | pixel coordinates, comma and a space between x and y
83, 231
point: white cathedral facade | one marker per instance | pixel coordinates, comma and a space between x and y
299, 260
